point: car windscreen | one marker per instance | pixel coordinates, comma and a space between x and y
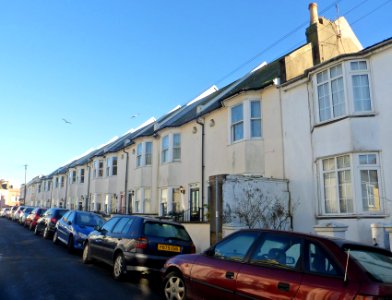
377, 264
88, 220
165, 230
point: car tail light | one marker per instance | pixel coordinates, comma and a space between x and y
53, 220
36, 217
193, 248
141, 243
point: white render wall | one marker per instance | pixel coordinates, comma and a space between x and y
304, 144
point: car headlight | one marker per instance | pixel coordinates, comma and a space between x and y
82, 235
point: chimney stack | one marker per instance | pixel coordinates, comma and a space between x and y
313, 13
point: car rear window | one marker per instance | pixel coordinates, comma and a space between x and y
377, 264
88, 220
165, 230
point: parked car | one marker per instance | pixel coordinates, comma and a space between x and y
23, 215
46, 225
4, 211
268, 264
136, 243
32, 218
16, 214
74, 227
11, 212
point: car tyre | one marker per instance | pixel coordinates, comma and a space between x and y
119, 269
86, 256
55, 237
70, 244
174, 286
46, 233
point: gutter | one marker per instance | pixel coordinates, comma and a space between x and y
200, 121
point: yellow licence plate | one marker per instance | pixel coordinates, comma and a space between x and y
171, 248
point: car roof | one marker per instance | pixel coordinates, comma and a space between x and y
149, 218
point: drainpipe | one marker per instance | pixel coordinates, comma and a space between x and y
66, 190
87, 204
126, 142
200, 121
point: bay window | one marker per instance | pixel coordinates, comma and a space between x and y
342, 90
246, 121
350, 184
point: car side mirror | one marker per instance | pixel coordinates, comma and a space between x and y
209, 252
97, 228
290, 260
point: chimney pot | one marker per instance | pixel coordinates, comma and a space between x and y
313, 13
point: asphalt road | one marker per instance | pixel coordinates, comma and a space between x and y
34, 268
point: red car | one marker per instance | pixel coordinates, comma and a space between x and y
270, 264
32, 218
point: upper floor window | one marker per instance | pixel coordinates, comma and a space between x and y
165, 149
49, 184
360, 85
255, 119
62, 181
100, 168
139, 155
246, 121
171, 148
351, 184
176, 146
72, 176
343, 89
81, 175
237, 123
56, 182
148, 153
111, 166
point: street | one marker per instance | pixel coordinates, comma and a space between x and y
34, 268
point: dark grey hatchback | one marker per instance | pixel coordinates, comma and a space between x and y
136, 243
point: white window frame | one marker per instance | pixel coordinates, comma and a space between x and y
176, 146
81, 175
248, 119
347, 93
139, 154
147, 153
355, 185
165, 149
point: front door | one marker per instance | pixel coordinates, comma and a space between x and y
195, 204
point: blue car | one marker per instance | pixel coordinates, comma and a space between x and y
74, 227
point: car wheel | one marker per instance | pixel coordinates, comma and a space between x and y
174, 286
46, 233
119, 267
86, 257
70, 244
55, 239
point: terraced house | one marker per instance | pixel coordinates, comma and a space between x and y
310, 130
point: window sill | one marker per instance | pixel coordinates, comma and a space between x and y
327, 122
353, 216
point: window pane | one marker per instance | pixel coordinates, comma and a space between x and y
176, 146
361, 93
236, 114
322, 77
336, 71
148, 153
329, 164
331, 203
343, 161
319, 261
338, 97
255, 128
368, 159
358, 65
255, 111
323, 100
345, 192
235, 248
370, 190
238, 132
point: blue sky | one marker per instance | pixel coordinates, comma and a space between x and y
96, 63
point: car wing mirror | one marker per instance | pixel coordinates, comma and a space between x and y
69, 223
209, 252
290, 260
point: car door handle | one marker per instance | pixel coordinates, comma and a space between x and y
283, 286
230, 275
